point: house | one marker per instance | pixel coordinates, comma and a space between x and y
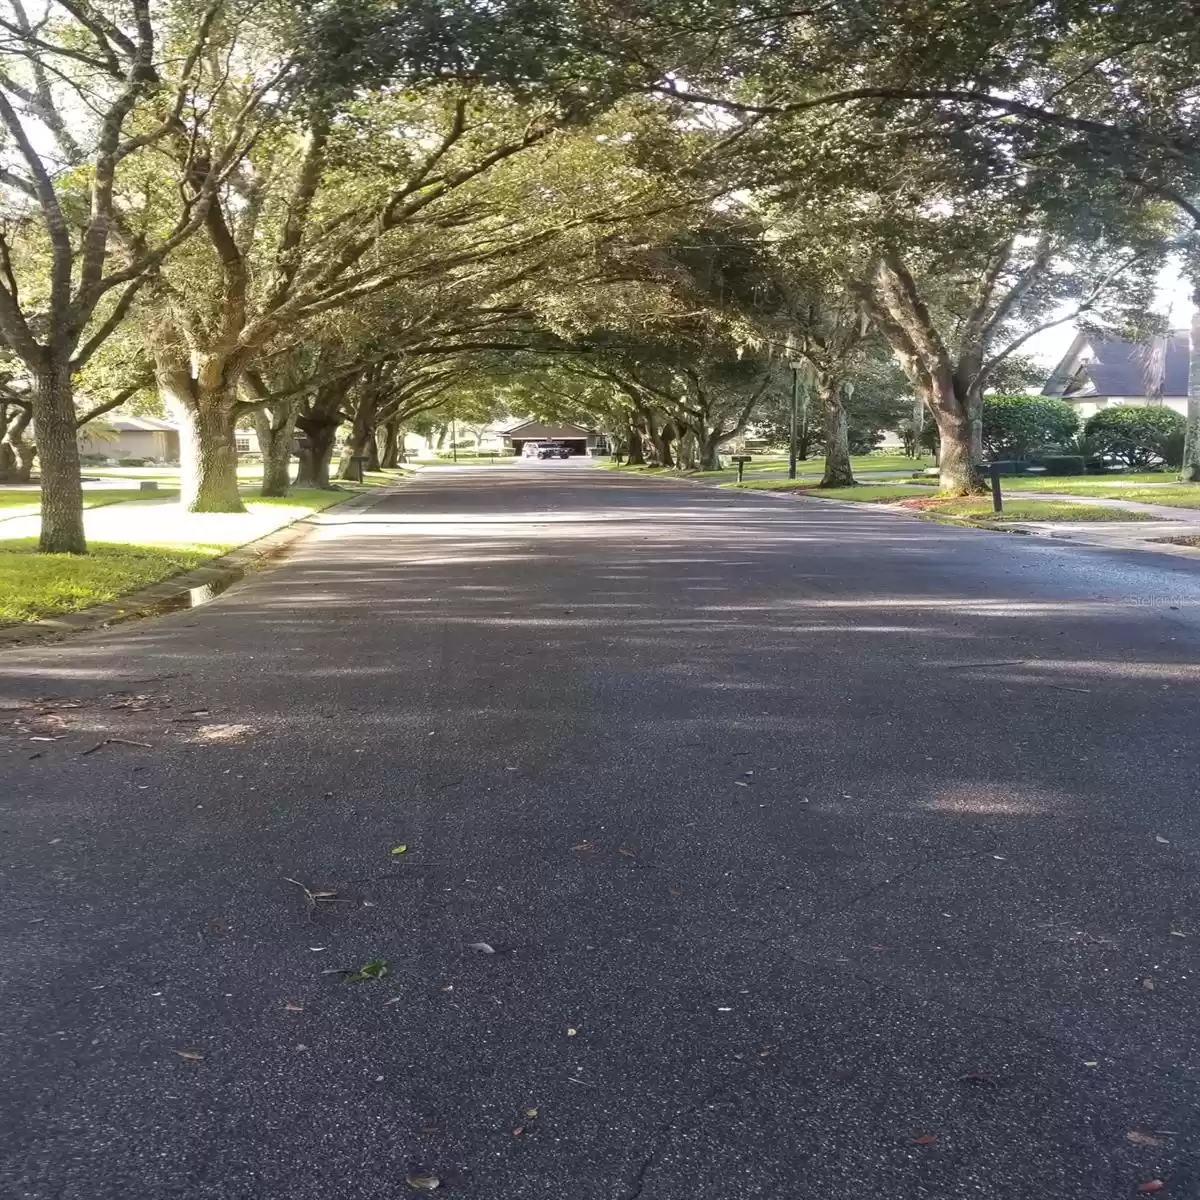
578, 439
149, 438
1101, 371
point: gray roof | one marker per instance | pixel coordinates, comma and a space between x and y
1121, 368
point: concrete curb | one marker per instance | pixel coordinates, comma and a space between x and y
176, 592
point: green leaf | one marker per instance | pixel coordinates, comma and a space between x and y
377, 968
400, 849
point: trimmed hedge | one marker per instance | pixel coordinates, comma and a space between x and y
1137, 435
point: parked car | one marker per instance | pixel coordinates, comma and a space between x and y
553, 450
531, 450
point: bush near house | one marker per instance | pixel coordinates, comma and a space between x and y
1136, 435
1018, 426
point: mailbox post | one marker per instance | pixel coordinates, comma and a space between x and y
742, 460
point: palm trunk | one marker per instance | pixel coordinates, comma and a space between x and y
838, 472
62, 489
208, 481
1190, 470
275, 427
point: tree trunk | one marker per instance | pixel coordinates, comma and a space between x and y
958, 471
208, 481
1190, 470
838, 472
26, 453
372, 449
276, 425
975, 421
710, 451
390, 457
316, 455
62, 488
688, 458
358, 445
16, 454
637, 454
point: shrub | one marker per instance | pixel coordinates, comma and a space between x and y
1136, 435
1015, 426
131, 462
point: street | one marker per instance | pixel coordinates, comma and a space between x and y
812, 850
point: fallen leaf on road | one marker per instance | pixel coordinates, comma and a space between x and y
323, 895
674, 892
423, 1183
926, 1139
1162, 841
520, 1129
482, 947
1148, 984
739, 783
977, 1077
222, 733
1138, 1138
531, 1113
628, 852
393, 1000
1178, 933
376, 968
292, 1006
586, 844
999, 858
1091, 1064
190, 1055
1151, 1185
401, 849
572, 1032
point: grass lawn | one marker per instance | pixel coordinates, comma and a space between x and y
810, 467
138, 547
1176, 495
36, 585
975, 509
978, 510
869, 492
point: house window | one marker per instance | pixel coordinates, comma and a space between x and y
242, 444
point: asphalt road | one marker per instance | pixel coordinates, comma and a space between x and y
859, 853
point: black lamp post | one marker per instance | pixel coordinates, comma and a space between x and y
794, 422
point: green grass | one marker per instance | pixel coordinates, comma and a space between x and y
29, 502
34, 585
870, 492
1175, 495
978, 510
808, 469
1088, 485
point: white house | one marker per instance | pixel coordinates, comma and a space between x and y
118, 437
1099, 372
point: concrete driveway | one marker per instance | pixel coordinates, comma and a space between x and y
822, 852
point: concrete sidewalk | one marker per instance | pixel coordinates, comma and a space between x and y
156, 522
